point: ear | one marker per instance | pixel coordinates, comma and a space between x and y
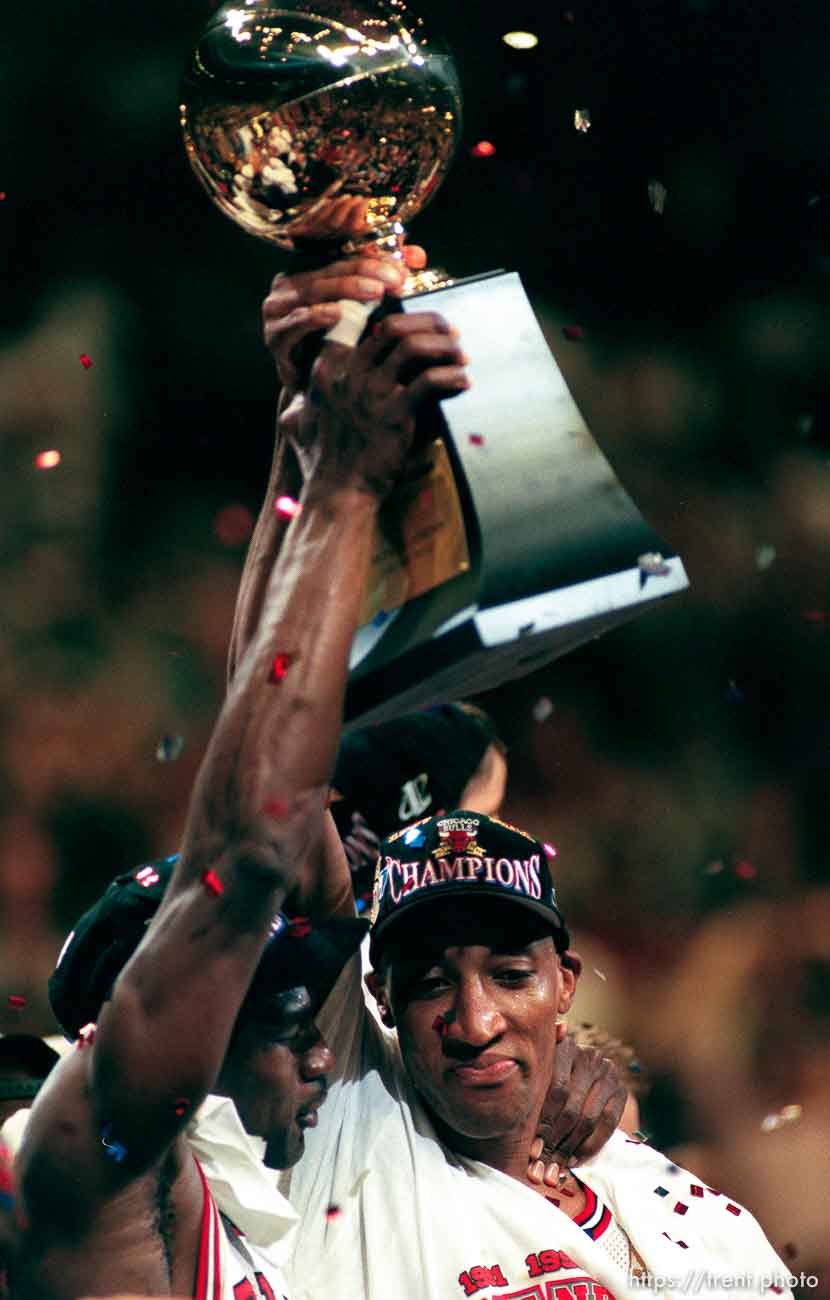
377, 987
570, 968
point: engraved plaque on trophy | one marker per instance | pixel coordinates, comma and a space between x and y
336, 122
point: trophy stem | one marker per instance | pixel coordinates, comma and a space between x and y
388, 238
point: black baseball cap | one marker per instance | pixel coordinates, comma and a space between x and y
106, 936
458, 856
396, 771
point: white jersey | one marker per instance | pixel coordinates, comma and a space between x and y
229, 1267
388, 1213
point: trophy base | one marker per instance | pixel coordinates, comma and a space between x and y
553, 539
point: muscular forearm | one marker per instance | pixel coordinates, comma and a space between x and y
268, 765
268, 536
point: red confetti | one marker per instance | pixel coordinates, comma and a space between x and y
332, 1212
299, 927
181, 1105
476, 439
16, 1002
440, 1026
280, 666
86, 1035
680, 1208
484, 149
275, 808
287, 507
745, 871
212, 883
233, 525
696, 1190
47, 459
2, 195
85, 361
550, 850
733, 1209
573, 332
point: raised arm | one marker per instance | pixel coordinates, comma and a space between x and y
259, 798
295, 314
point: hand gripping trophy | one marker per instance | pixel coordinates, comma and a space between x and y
328, 124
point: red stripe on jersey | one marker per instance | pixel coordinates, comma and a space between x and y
602, 1225
217, 1266
590, 1205
200, 1284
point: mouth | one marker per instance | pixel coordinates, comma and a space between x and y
486, 1072
307, 1115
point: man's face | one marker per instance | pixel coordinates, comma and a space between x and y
275, 1073
475, 1001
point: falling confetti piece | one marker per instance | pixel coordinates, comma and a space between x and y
476, 439
212, 883
332, 1212
696, 1189
764, 557
287, 507
47, 459
600, 975
575, 333
781, 1118
233, 525
86, 1035
85, 361
745, 870
661, 1191
644, 1137
542, 709
657, 194
2, 195
484, 149
804, 424
582, 119
115, 1150
280, 666
169, 748
275, 808
299, 927
552, 853
16, 1002
635, 1067
181, 1105
652, 565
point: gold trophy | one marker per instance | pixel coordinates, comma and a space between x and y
330, 124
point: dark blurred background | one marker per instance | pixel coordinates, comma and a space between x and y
679, 765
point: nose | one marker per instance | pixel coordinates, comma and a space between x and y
317, 1060
474, 1017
